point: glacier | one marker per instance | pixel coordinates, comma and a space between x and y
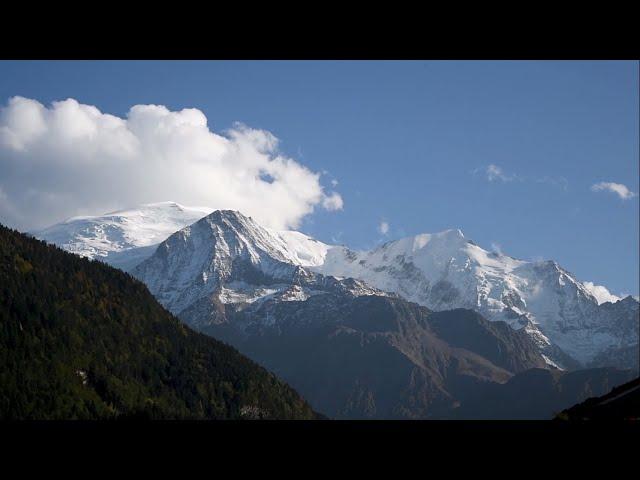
125, 237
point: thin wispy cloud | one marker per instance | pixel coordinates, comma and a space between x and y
383, 227
337, 238
618, 188
72, 159
496, 174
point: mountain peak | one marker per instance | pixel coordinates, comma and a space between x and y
236, 221
228, 214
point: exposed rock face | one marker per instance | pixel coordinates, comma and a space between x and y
227, 258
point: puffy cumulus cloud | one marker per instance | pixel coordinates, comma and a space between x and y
618, 188
383, 227
601, 293
71, 159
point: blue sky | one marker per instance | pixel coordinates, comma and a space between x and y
409, 143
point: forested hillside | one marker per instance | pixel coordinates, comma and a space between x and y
82, 340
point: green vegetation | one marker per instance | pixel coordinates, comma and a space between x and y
82, 340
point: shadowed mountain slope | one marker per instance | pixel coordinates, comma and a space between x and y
621, 403
539, 394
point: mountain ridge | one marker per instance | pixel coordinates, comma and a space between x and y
446, 270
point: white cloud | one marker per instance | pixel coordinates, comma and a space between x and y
618, 188
334, 183
383, 228
71, 159
601, 293
495, 173
333, 202
496, 248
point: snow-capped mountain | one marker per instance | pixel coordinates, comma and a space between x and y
123, 238
445, 270
231, 278
229, 258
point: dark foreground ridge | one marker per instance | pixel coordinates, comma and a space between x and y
621, 403
82, 340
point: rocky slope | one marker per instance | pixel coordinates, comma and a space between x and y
376, 357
